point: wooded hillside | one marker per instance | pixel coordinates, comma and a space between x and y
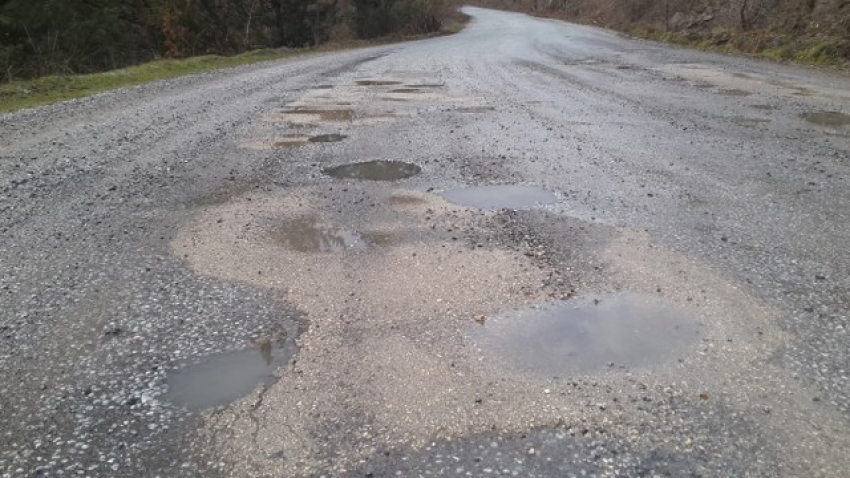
809, 30
39, 37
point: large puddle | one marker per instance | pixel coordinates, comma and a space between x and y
500, 197
224, 378
827, 118
589, 334
306, 234
375, 171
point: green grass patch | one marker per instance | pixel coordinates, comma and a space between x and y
822, 51
16, 95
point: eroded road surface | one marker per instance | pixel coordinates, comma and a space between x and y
529, 249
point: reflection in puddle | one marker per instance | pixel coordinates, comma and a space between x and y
375, 171
224, 378
328, 138
827, 118
500, 197
589, 334
306, 234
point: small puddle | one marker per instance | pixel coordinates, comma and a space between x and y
374, 171
589, 334
405, 200
500, 197
378, 82
224, 378
747, 121
734, 92
408, 90
426, 85
307, 235
290, 141
476, 109
342, 114
827, 118
328, 138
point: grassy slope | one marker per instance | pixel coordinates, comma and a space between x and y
49, 89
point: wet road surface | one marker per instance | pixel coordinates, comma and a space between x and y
529, 249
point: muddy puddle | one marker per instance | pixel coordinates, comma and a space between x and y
224, 378
307, 234
374, 171
589, 334
827, 118
500, 197
327, 138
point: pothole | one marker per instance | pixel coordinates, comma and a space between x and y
589, 334
224, 378
308, 235
827, 118
374, 170
405, 200
408, 90
765, 107
290, 141
500, 197
746, 121
312, 115
734, 92
378, 82
476, 109
328, 138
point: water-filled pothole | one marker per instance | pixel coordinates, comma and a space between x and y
306, 234
589, 334
378, 82
408, 90
224, 378
328, 138
734, 92
827, 118
500, 197
375, 170
330, 114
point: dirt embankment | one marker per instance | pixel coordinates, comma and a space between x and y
809, 31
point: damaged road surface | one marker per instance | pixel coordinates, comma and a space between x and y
528, 249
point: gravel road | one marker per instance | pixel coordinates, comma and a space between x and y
567, 253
